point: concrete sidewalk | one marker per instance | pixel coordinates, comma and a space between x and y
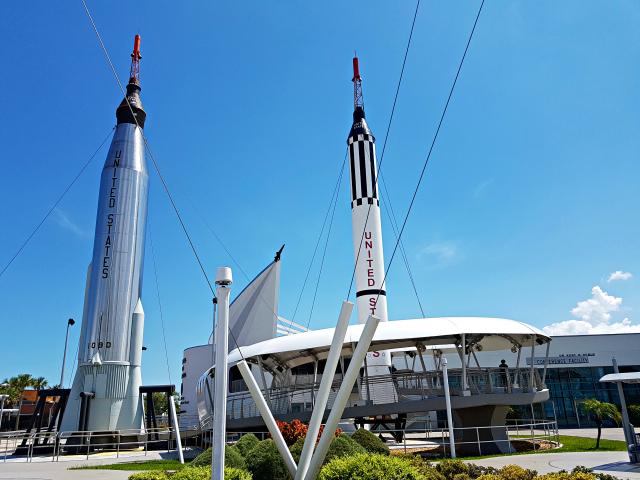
48, 470
613, 463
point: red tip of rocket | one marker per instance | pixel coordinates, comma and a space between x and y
136, 48
356, 70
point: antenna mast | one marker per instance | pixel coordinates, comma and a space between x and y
358, 101
134, 76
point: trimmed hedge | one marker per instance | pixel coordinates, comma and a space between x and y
370, 442
152, 475
265, 462
247, 443
450, 468
296, 449
516, 472
342, 446
204, 473
370, 466
232, 459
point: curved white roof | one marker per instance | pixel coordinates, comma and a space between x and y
490, 333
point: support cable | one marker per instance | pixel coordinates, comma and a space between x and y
394, 226
432, 144
319, 238
56, 204
155, 271
375, 185
335, 204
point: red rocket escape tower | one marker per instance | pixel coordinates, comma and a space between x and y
134, 76
357, 85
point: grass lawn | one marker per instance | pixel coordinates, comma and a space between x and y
138, 466
571, 444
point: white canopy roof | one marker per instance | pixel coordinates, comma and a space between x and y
631, 377
489, 334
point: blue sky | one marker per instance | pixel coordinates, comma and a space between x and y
529, 200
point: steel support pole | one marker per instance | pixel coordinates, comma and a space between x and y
218, 438
464, 364
176, 426
623, 404
546, 362
267, 416
343, 396
447, 397
325, 388
64, 356
532, 388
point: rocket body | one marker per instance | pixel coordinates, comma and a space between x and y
111, 337
367, 233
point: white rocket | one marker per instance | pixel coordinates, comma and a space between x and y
367, 233
105, 392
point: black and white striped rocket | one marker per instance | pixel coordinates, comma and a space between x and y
367, 232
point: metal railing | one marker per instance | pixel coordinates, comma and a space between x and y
54, 444
384, 389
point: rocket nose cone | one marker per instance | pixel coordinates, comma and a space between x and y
359, 126
138, 308
123, 112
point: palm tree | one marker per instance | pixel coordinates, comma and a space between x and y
39, 383
600, 411
20, 383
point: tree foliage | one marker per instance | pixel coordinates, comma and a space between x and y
600, 411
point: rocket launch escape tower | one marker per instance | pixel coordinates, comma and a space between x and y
105, 394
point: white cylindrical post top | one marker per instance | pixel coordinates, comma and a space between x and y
267, 416
218, 440
223, 276
324, 389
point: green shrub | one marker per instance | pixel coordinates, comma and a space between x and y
265, 462
516, 472
341, 446
462, 476
370, 466
153, 475
488, 477
246, 443
451, 468
476, 471
232, 459
196, 473
234, 474
370, 442
296, 449
423, 466
634, 415
514, 413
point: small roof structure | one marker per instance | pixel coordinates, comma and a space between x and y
488, 334
631, 377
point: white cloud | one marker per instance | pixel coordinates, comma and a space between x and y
579, 327
594, 317
596, 310
619, 275
65, 222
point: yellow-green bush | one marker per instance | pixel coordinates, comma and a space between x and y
462, 476
516, 472
265, 462
204, 473
451, 468
232, 459
489, 477
342, 446
423, 466
370, 466
152, 475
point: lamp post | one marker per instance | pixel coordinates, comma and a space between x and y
4, 385
64, 357
447, 397
218, 441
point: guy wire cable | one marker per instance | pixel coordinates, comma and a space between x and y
320, 236
335, 204
432, 144
56, 204
155, 271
